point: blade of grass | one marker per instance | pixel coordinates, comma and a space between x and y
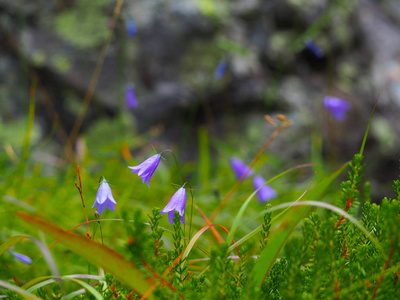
276, 242
315, 192
369, 124
17, 289
11, 242
96, 253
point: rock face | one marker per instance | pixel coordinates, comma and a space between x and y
280, 56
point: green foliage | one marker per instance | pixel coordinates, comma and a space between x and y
84, 25
295, 253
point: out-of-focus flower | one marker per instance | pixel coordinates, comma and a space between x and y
314, 48
219, 72
240, 168
265, 193
104, 197
178, 203
130, 27
23, 258
337, 107
147, 168
131, 101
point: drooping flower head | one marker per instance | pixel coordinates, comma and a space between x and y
240, 168
22, 258
265, 193
310, 45
147, 168
104, 197
131, 101
130, 27
337, 107
219, 72
178, 203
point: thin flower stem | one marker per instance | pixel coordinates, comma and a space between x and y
176, 163
278, 130
191, 212
101, 230
79, 187
92, 86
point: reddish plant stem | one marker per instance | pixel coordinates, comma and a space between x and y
382, 274
278, 130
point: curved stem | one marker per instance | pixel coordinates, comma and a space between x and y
176, 163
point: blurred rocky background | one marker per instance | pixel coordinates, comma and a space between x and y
275, 56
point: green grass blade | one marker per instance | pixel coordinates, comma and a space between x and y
315, 192
204, 156
87, 287
11, 242
17, 289
276, 241
97, 254
367, 130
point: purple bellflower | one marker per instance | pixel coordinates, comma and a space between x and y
104, 197
130, 27
310, 45
131, 101
240, 168
219, 72
147, 168
337, 107
265, 193
178, 203
23, 258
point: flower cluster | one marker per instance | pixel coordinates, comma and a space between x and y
264, 192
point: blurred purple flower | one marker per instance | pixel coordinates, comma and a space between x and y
310, 45
219, 72
23, 258
240, 168
178, 203
131, 101
104, 197
130, 27
147, 168
337, 107
265, 193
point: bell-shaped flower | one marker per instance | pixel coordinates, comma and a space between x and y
240, 168
337, 107
265, 192
219, 72
178, 203
104, 197
23, 258
130, 27
147, 168
131, 101
310, 45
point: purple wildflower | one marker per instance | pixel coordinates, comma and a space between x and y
147, 168
219, 72
314, 48
130, 27
131, 101
337, 107
104, 197
178, 203
265, 192
240, 168
23, 258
